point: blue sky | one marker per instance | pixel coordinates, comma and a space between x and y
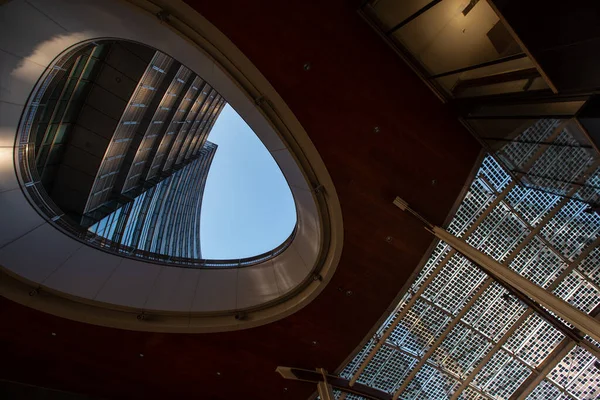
248, 207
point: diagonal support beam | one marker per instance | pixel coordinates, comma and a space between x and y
404, 206
564, 310
325, 382
442, 337
548, 365
522, 319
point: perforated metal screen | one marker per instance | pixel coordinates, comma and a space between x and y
457, 334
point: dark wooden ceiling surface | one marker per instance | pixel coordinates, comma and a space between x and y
354, 84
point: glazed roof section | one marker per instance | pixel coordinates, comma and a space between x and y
458, 334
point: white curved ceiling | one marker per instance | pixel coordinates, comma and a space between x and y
33, 34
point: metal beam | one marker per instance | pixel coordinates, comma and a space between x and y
525, 315
412, 17
480, 65
324, 389
547, 365
503, 77
575, 317
423, 286
475, 297
522, 46
489, 355
533, 232
434, 346
498, 139
327, 381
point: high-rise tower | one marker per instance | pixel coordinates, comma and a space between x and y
120, 134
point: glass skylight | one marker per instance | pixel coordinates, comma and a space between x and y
457, 334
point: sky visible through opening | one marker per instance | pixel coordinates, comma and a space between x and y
247, 207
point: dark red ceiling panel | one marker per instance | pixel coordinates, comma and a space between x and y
354, 84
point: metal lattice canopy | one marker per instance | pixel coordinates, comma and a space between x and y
457, 333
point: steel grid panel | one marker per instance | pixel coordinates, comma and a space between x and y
547, 391
590, 266
393, 372
499, 233
518, 154
447, 276
353, 365
440, 251
577, 375
501, 376
494, 312
430, 383
458, 289
471, 394
419, 328
578, 292
532, 205
538, 263
533, 341
375, 366
476, 200
558, 165
461, 350
572, 229
590, 192
494, 173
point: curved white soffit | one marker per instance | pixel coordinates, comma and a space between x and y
80, 282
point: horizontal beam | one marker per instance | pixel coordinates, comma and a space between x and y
528, 73
306, 375
480, 65
413, 16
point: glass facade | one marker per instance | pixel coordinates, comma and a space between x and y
566, 155
115, 151
123, 135
164, 219
457, 334
156, 128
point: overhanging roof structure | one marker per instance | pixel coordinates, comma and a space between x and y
459, 334
380, 133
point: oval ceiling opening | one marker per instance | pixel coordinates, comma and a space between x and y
132, 152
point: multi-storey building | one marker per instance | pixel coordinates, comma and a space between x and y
164, 219
120, 142
364, 301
